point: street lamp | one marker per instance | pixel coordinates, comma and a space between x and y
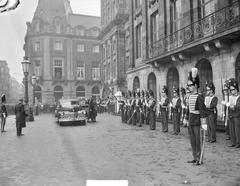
33, 84
25, 66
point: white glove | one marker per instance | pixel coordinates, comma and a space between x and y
204, 123
171, 105
228, 104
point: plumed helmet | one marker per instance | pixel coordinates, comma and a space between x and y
226, 85
233, 83
210, 85
182, 90
138, 93
151, 93
3, 98
194, 77
176, 90
165, 89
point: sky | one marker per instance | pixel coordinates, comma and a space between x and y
13, 29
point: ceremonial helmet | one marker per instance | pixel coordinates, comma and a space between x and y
3, 98
194, 77
151, 93
226, 85
138, 93
176, 90
210, 85
233, 83
183, 91
165, 89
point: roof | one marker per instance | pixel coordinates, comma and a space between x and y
87, 21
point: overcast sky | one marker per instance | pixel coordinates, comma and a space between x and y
13, 30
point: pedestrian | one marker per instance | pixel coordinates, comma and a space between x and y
176, 109
3, 113
234, 113
164, 102
152, 111
211, 103
20, 117
197, 114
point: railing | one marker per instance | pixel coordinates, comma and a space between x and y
217, 22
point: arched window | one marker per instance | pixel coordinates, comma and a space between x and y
95, 91
80, 91
136, 83
58, 93
237, 69
205, 73
152, 83
172, 80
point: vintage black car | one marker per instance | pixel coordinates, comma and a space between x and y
70, 112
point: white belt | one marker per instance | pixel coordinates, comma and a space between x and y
194, 112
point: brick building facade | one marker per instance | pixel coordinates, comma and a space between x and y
64, 52
114, 14
170, 37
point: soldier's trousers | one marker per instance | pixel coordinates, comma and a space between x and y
19, 131
194, 132
227, 129
164, 114
176, 122
122, 115
3, 122
152, 120
134, 118
125, 116
147, 117
129, 116
234, 127
141, 122
211, 129
138, 118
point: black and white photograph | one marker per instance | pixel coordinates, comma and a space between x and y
120, 92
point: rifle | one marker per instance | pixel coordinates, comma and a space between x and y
160, 98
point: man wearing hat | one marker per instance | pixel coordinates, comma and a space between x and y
176, 110
20, 117
152, 110
197, 114
211, 103
224, 108
3, 113
142, 111
234, 113
146, 107
163, 103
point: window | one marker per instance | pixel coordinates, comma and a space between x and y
108, 71
58, 45
57, 27
207, 7
139, 41
176, 15
80, 70
37, 46
37, 27
80, 31
104, 72
94, 33
58, 68
95, 71
95, 49
127, 42
114, 68
37, 69
114, 45
154, 27
80, 48
138, 3
80, 92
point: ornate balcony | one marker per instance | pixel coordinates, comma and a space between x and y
214, 26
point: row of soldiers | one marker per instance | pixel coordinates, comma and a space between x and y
139, 108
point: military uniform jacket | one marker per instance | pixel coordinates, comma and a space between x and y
164, 103
152, 104
234, 109
138, 104
196, 109
211, 104
176, 104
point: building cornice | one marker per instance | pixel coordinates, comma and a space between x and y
138, 68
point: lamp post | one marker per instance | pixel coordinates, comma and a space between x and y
25, 66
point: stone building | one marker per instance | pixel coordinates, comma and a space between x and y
114, 14
5, 79
64, 52
170, 37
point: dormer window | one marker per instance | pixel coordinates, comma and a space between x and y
37, 27
57, 26
80, 31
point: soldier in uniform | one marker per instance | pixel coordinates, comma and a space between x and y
142, 109
234, 113
164, 108
138, 106
122, 107
152, 110
224, 108
176, 109
129, 111
211, 103
146, 107
183, 98
3, 113
133, 108
197, 114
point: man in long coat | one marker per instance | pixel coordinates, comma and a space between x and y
20, 117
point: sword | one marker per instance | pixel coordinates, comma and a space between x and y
131, 117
